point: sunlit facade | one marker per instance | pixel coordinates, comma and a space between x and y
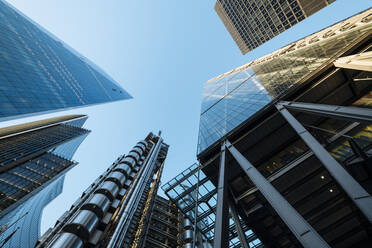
295, 162
233, 97
253, 22
39, 73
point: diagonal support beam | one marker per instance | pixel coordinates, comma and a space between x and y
361, 62
353, 189
239, 229
221, 227
337, 112
301, 229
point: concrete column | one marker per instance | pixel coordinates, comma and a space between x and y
301, 229
353, 189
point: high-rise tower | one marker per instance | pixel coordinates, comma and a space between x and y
253, 22
117, 209
286, 141
39, 73
34, 158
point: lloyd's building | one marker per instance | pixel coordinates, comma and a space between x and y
285, 147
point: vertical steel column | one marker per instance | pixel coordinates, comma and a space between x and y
196, 209
221, 227
307, 236
357, 193
241, 234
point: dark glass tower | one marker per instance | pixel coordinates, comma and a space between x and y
120, 208
39, 73
253, 22
34, 158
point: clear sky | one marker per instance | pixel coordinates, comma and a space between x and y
161, 52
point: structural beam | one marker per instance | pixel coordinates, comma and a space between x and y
361, 62
194, 241
221, 227
338, 112
353, 189
239, 229
301, 229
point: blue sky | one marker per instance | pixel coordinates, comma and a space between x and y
161, 52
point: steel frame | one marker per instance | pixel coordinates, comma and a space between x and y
301, 229
353, 189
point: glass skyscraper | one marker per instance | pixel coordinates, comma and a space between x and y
253, 22
233, 97
25, 220
34, 158
39, 73
285, 142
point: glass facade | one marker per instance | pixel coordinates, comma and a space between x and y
252, 23
183, 191
25, 220
39, 73
33, 160
230, 99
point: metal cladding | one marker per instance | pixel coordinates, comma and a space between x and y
98, 204
142, 146
117, 177
124, 168
68, 240
187, 235
134, 154
82, 224
104, 196
187, 245
138, 150
110, 189
187, 224
129, 161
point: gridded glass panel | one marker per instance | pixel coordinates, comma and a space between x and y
182, 190
263, 82
20, 147
39, 73
254, 22
17, 182
25, 219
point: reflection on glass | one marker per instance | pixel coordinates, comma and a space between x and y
234, 97
39, 73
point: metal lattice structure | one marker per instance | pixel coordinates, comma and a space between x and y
196, 195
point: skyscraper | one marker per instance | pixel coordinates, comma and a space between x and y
120, 207
24, 221
286, 141
34, 158
40, 73
253, 22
